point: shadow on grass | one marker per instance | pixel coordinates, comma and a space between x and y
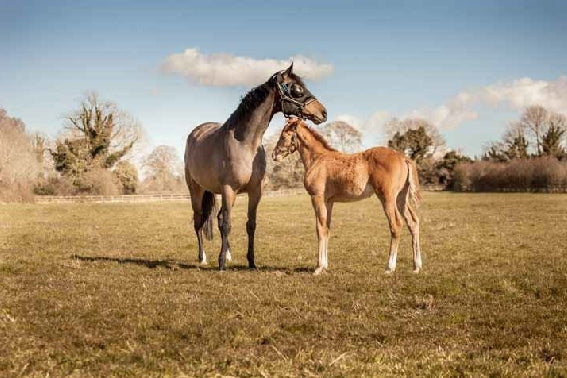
170, 264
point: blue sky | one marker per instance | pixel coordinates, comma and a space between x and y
396, 58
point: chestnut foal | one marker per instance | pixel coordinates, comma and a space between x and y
331, 176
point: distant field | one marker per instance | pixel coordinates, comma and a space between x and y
113, 289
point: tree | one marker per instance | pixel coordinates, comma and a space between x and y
99, 136
535, 119
127, 174
342, 136
414, 142
19, 162
515, 141
446, 166
163, 167
402, 126
551, 141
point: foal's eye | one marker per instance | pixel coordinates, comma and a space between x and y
296, 90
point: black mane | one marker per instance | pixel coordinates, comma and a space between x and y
249, 102
254, 98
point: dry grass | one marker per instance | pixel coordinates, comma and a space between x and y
113, 289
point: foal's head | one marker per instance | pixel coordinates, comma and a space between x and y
295, 99
287, 144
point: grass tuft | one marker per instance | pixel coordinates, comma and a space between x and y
116, 289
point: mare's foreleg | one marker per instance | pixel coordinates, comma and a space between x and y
254, 197
228, 197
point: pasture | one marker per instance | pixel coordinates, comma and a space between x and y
114, 289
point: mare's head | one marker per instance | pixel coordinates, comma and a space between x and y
295, 99
287, 144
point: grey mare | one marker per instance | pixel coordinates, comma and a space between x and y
229, 158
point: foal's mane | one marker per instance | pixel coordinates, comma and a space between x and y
317, 136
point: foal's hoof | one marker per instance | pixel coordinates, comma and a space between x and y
416, 270
318, 271
390, 271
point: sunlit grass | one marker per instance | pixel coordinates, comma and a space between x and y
109, 289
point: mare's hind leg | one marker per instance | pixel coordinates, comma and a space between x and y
412, 220
228, 197
254, 196
198, 218
395, 223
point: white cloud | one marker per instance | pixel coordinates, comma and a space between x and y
515, 95
228, 70
467, 105
372, 128
371, 124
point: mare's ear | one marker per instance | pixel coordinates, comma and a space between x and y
289, 70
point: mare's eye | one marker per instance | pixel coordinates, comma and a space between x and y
296, 90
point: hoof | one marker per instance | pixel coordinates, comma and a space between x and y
318, 271
416, 270
389, 271
203, 260
252, 267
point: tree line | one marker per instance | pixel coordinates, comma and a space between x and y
94, 154
530, 156
99, 152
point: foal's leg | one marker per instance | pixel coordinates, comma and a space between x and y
412, 220
198, 219
329, 205
254, 196
320, 208
395, 222
228, 197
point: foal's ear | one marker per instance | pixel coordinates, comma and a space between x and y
294, 123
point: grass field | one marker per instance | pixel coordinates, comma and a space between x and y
114, 289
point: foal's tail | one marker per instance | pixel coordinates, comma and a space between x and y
208, 209
413, 181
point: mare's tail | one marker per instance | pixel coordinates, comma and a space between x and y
208, 210
413, 181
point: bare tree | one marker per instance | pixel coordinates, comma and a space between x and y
342, 136
19, 163
535, 119
163, 168
98, 136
